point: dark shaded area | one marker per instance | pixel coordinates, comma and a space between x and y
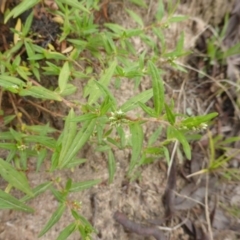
138, 228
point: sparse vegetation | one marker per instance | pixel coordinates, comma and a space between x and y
44, 69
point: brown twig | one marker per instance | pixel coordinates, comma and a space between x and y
138, 228
15, 108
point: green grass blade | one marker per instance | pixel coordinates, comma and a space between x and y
20, 8
79, 141
37, 191
137, 143
158, 88
170, 115
63, 76
68, 135
134, 101
40, 92
15, 178
54, 219
75, 4
67, 231
174, 133
80, 186
105, 79
9, 202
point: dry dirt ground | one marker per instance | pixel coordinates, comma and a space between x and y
141, 200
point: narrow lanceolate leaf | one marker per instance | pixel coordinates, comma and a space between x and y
40, 92
80, 186
9, 202
111, 166
20, 8
133, 102
147, 109
79, 141
68, 135
67, 231
104, 80
11, 82
82, 118
137, 143
195, 121
158, 88
170, 115
106, 91
64, 76
174, 133
136, 17
75, 4
15, 178
37, 191
54, 219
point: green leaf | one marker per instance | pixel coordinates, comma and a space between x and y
147, 109
40, 92
69, 90
137, 144
27, 24
122, 134
78, 142
115, 27
166, 154
134, 101
53, 55
67, 231
135, 17
84, 117
11, 83
37, 191
173, 133
154, 150
75, 4
54, 219
76, 162
106, 105
8, 146
160, 10
140, 3
153, 138
15, 178
111, 166
105, 79
158, 88
180, 44
9, 202
108, 94
68, 184
68, 135
60, 196
196, 121
158, 32
80, 186
170, 116
63, 77
178, 19
21, 8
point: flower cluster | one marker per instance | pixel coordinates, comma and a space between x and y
117, 118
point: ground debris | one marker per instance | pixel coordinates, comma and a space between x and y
138, 228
